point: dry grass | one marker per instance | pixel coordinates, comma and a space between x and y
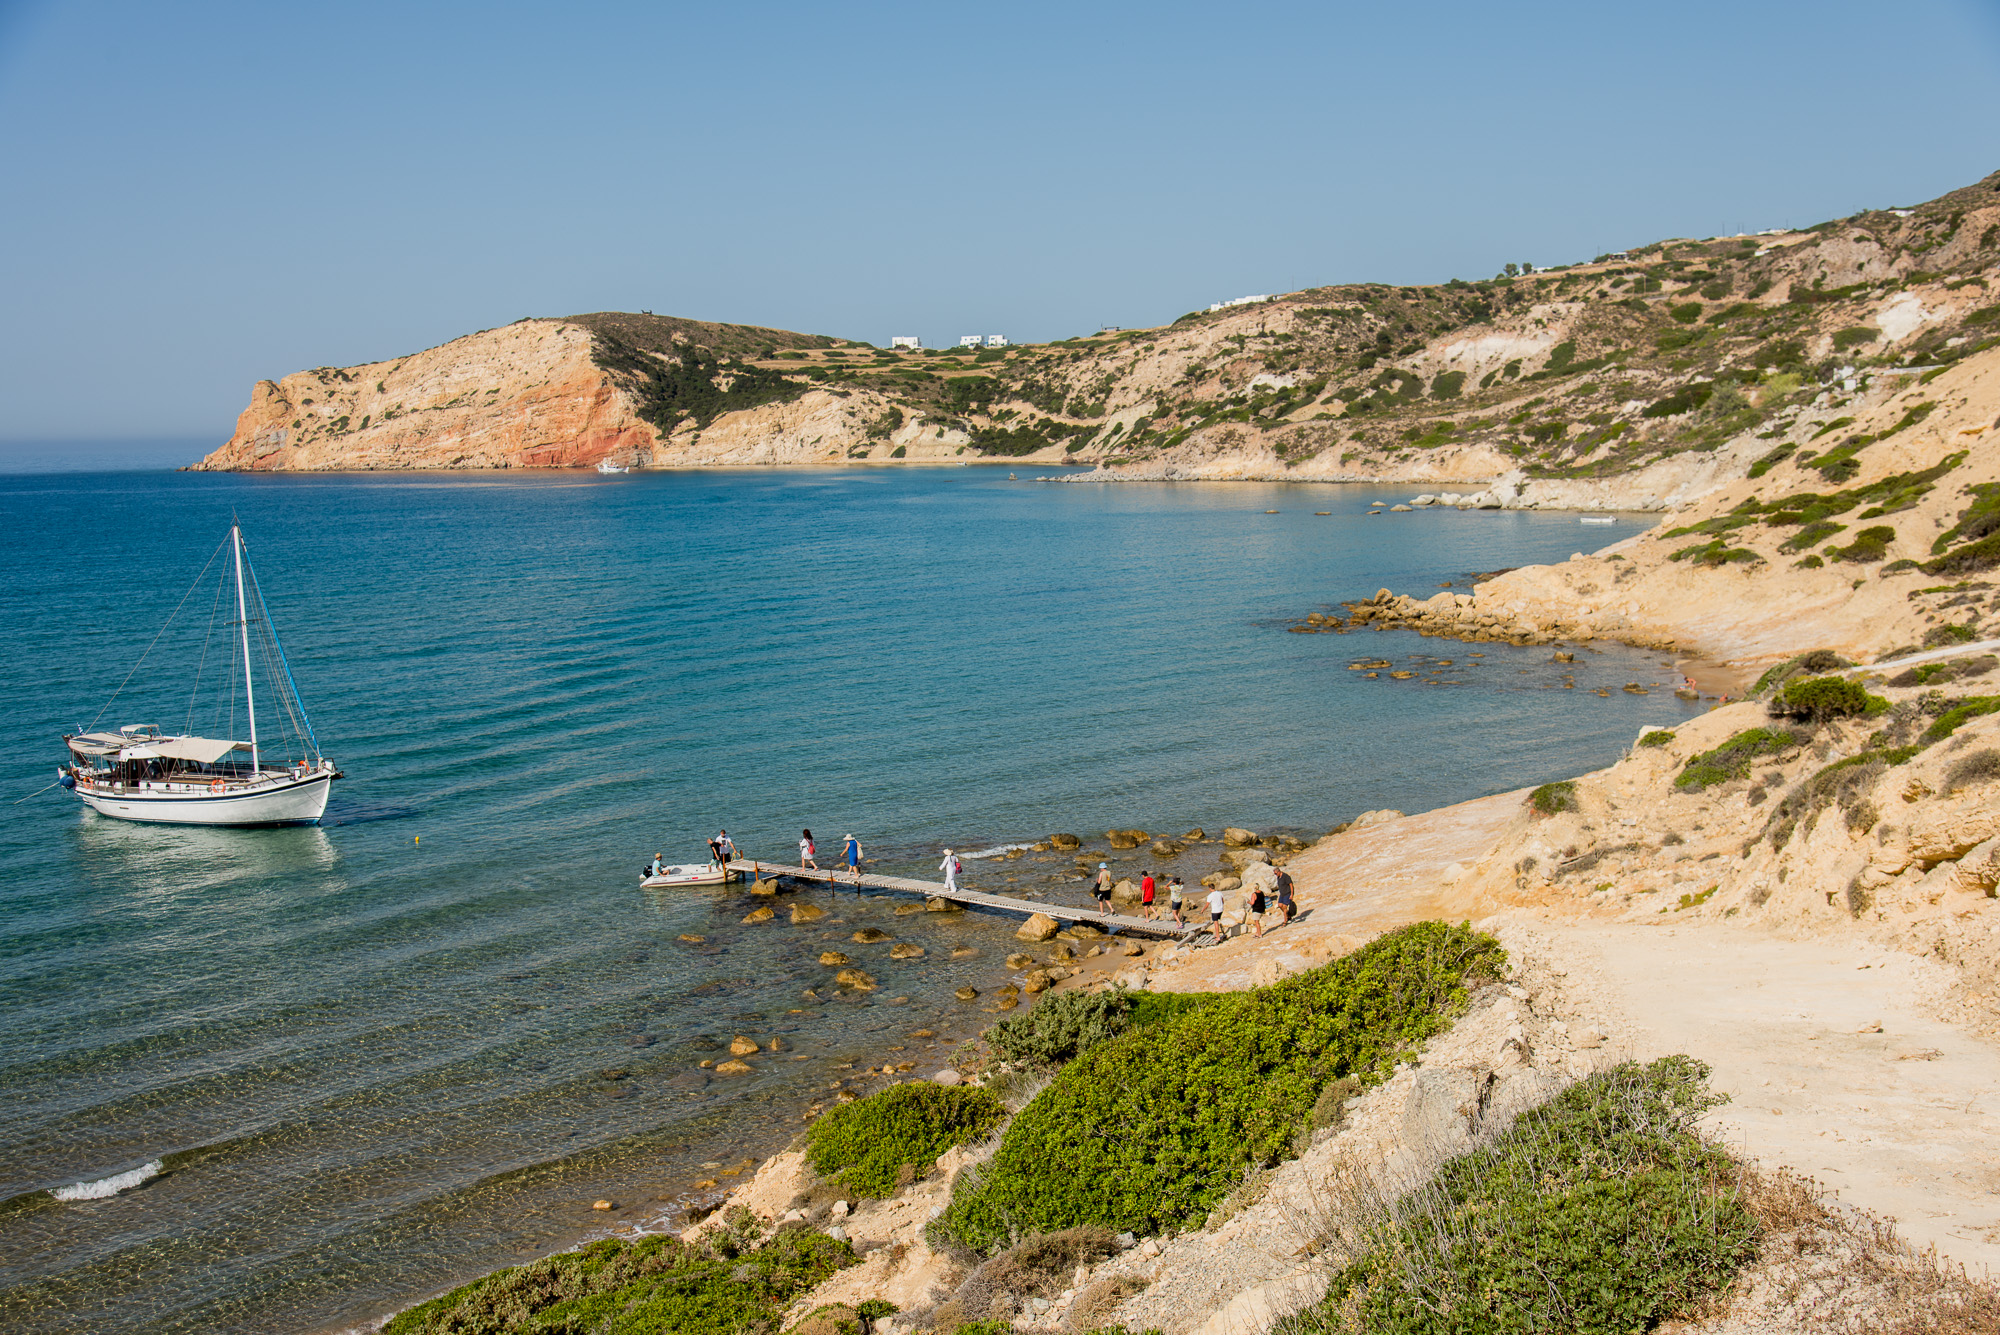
1038, 1267
1827, 1269
1094, 1306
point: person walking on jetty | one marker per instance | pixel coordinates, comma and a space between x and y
1146, 894
852, 856
1176, 901
951, 867
1285, 905
1216, 902
1102, 890
806, 850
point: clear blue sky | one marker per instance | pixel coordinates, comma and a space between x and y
200, 195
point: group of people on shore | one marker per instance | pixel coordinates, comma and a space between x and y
1279, 900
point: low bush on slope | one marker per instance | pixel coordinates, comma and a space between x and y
1064, 1025
865, 1145
1151, 1129
1600, 1213
659, 1286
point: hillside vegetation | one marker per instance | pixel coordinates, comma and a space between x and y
1591, 371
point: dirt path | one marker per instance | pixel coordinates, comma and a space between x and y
1904, 1122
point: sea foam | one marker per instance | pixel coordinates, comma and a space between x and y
1000, 851
108, 1186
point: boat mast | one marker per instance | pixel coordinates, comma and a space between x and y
243, 620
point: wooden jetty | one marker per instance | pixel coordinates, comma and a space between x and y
1109, 922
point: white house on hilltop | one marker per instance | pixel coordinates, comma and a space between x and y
969, 341
906, 342
996, 340
1240, 301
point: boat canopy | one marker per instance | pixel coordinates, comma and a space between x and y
200, 750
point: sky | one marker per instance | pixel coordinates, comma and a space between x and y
199, 196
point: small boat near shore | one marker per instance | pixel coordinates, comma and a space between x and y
606, 467
689, 873
140, 773
1597, 519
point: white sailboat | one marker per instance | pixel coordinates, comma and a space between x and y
605, 466
140, 773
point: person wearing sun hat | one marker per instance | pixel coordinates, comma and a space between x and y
1103, 887
851, 854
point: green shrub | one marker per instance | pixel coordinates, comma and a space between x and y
1811, 535
1448, 385
1852, 337
863, 1145
1960, 713
1818, 699
1602, 1212
657, 1286
1732, 759
1551, 798
1684, 400
1657, 737
1949, 633
1151, 1129
1716, 552
1812, 662
1686, 312
1061, 1026
1871, 544
1765, 463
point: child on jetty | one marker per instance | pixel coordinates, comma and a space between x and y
806, 850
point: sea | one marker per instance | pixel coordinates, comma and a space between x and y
293, 1080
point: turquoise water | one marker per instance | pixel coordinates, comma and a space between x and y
375, 1058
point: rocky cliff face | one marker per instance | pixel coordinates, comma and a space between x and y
1645, 379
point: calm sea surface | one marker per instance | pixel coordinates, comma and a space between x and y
358, 1063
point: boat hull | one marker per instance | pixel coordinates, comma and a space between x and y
695, 874
285, 801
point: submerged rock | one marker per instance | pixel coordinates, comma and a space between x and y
733, 1067
857, 979
906, 950
943, 906
762, 913
1064, 841
833, 957
869, 936
742, 1046
807, 913
967, 993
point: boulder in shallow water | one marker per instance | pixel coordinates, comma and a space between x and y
1237, 837
869, 936
903, 910
1020, 961
1037, 981
943, 906
1196, 833
733, 1067
967, 993
1239, 858
742, 1046
762, 913
833, 958
857, 979
807, 913
1038, 927
1124, 893
906, 950
1165, 849
1064, 841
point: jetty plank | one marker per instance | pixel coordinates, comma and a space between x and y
1110, 922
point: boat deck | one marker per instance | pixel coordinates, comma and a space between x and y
1109, 922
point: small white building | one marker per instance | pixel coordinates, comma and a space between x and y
906, 342
1240, 301
996, 340
969, 341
